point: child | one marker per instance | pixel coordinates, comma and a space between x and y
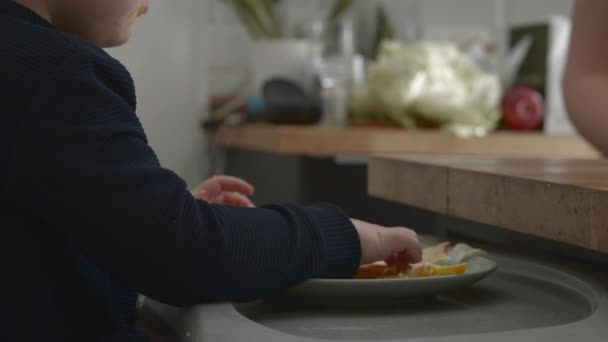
89, 218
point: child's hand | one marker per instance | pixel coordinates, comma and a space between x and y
379, 243
225, 190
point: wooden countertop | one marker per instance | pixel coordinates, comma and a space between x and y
314, 141
563, 200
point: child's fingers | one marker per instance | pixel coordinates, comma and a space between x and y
234, 184
207, 191
401, 261
211, 189
403, 243
235, 199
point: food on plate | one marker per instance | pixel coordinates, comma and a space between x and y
425, 270
449, 254
376, 270
443, 259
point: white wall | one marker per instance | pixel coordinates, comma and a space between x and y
488, 15
522, 11
457, 13
165, 59
435, 15
482, 12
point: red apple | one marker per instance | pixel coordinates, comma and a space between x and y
523, 108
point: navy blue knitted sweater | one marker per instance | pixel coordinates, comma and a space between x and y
89, 218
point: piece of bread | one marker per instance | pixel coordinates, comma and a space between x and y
436, 253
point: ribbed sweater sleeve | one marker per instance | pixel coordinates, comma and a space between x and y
85, 164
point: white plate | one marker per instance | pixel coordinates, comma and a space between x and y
391, 289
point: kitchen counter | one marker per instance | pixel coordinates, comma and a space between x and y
562, 200
315, 141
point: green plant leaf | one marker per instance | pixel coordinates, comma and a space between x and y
247, 20
254, 9
270, 9
339, 8
258, 17
385, 29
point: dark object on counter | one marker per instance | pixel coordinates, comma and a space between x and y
284, 102
523, 108
534, 68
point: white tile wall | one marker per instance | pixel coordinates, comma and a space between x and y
442, 13
230, 44
166, 61
525, 11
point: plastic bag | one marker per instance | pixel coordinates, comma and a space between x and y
429, 85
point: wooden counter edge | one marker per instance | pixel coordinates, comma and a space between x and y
314, 141
566, 213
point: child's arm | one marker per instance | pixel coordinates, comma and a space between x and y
83, 165
586, 78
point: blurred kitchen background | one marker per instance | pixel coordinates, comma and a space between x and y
184, 52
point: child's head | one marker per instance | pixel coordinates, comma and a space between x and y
104, 22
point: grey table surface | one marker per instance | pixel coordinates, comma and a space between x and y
529, 298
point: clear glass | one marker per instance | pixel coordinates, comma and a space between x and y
333, 55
